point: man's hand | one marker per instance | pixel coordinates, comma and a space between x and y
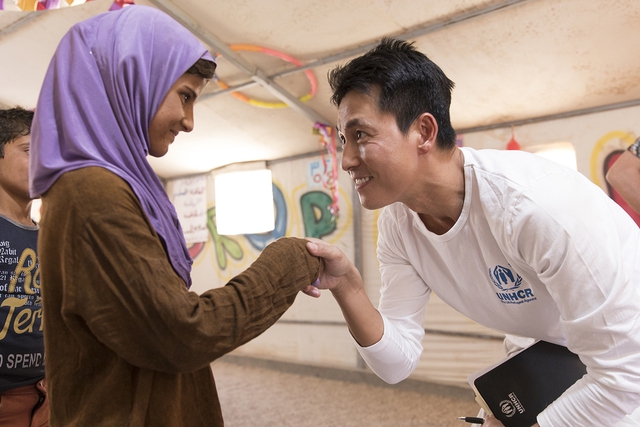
336, 271
491, 421
343, 279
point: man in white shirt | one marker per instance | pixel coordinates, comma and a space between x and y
515, 242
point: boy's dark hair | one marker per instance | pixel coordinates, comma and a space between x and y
410, 84
203, 68
14, 123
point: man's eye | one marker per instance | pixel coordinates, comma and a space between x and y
359, 134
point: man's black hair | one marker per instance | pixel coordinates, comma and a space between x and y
409, 82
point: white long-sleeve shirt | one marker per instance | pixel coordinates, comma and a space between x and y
538, 251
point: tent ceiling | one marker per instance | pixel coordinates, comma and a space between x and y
511, 61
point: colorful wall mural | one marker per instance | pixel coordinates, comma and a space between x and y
304, 206
317, 219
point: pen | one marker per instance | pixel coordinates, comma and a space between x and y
472, 420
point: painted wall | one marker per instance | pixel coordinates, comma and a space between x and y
313, 330
598, 138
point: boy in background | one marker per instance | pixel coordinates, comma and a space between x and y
22, 385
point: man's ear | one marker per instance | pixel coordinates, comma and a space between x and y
427, 127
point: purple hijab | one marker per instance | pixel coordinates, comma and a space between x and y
105, 83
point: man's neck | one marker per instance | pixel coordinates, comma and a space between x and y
441, 199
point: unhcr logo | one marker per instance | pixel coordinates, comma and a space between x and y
507, 408
504, 278
508, 282
511, 406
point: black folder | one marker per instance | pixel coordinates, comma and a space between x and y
521, 386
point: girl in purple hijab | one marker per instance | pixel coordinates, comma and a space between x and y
126, 343
120, 66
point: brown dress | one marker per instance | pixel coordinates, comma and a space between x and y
126, 343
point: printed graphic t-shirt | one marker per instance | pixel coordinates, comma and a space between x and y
21, 336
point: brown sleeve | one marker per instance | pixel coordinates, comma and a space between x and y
124, 288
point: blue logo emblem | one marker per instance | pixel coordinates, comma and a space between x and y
508, 282
504, 278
